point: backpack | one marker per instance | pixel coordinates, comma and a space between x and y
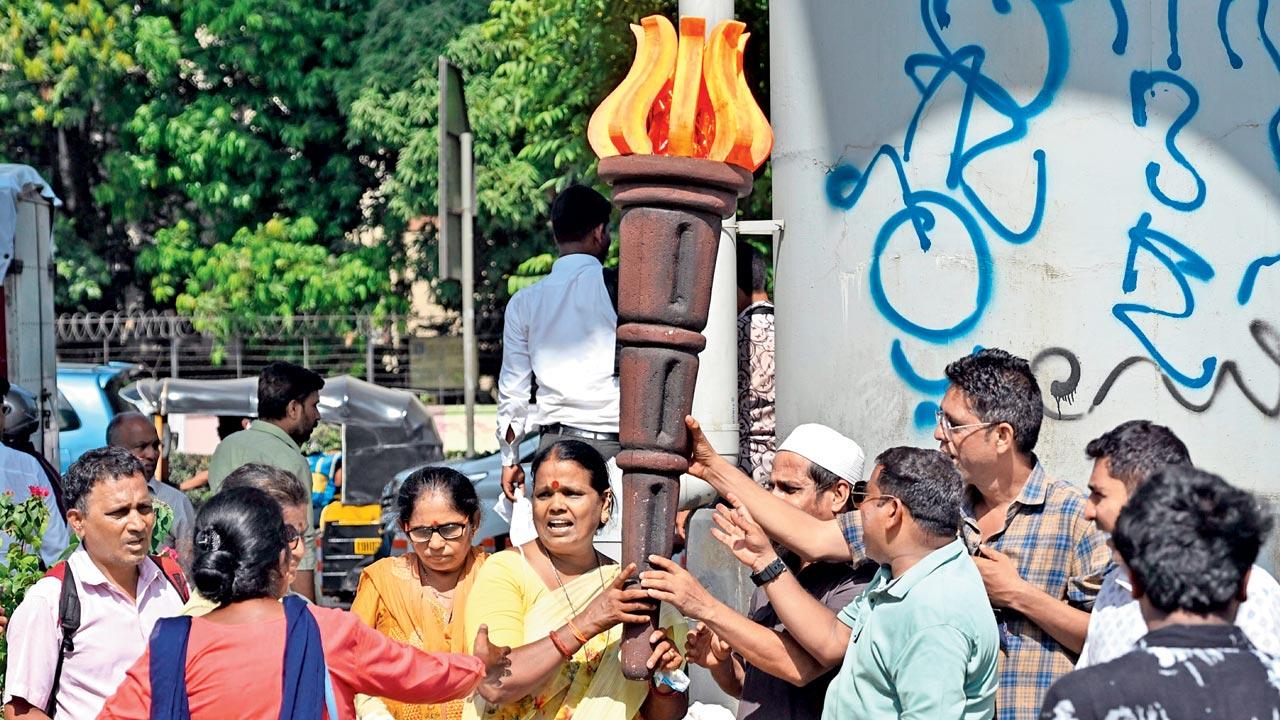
69, 611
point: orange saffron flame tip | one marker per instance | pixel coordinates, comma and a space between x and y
598, 127
685, 96
628, 126
761, 132
684, 92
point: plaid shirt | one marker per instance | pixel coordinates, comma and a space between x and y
1057, 551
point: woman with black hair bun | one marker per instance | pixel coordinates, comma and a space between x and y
228, 663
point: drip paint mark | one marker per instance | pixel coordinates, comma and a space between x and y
1175, 59
1061, 390
1236, 61
1121, 43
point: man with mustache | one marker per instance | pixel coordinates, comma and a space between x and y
121, 592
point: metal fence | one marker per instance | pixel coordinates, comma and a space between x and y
393, 351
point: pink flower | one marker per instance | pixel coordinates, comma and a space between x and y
37, 491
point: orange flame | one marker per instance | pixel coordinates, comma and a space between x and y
684, 96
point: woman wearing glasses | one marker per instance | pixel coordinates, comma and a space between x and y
418, 598
559, 604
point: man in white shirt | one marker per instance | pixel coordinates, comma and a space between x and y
558, 343
19, 474
1123, 459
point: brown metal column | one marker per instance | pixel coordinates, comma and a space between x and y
670, 232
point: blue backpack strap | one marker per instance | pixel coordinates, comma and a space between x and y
305, 676
168, 668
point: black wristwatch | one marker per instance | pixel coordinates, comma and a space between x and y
769, 573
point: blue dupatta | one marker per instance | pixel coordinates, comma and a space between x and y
308, 690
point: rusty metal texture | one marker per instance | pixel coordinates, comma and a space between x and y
670, 233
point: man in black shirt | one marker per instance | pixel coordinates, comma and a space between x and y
1188, 539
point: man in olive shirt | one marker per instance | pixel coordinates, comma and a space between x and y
288, 410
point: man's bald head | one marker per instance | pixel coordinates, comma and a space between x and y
135, 432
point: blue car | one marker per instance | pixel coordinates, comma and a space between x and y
88, 397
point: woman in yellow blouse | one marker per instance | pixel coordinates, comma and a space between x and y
418, 598
559, 604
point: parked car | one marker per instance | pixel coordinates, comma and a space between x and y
485, 471
88, 397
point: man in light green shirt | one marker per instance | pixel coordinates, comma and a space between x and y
288, 410
921, 640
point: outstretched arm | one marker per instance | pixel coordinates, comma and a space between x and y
810, 624
810, 538
776, 653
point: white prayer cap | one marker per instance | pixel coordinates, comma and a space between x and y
823, 446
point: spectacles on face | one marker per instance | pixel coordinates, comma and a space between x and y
291, 536
948, 429
448, 531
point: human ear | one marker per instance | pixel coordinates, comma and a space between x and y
840, 497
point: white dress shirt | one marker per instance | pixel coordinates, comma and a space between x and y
18, 473
563, 331
1116, 623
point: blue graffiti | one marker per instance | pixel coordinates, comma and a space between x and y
1188, 263
1175, 59
1245, 294
919, 215
1121, 43
915, 381
1143, 82
1236, 61
1234, 58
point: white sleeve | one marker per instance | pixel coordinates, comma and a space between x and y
515, 382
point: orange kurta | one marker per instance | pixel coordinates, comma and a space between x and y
235, 670
392, 600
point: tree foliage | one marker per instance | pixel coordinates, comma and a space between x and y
192, 139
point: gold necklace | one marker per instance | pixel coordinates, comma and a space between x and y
560, 581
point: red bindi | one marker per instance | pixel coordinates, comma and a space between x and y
555, 484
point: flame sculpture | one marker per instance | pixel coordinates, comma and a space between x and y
686, 97
678, 140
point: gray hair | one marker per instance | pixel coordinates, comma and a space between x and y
281, 485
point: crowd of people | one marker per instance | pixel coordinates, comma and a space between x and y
958, 582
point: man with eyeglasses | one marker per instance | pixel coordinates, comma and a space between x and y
920, 641
1041, 560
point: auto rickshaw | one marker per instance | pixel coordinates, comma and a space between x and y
383, 430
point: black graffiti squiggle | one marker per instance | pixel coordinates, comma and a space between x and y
1264, 334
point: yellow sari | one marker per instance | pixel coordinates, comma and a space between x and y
391, 599
590, 685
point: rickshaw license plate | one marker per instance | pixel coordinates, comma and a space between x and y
367, 546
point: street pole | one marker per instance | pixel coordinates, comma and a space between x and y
470, 363
715, 399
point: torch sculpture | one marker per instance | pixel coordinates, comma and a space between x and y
678, 141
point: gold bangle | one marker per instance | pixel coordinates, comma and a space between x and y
577, 633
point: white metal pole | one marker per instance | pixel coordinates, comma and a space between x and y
469, 361
715, 401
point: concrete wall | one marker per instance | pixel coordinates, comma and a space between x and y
1093, 185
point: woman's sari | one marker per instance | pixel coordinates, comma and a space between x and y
590, 685
392, 600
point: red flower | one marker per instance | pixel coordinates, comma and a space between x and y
37, 491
